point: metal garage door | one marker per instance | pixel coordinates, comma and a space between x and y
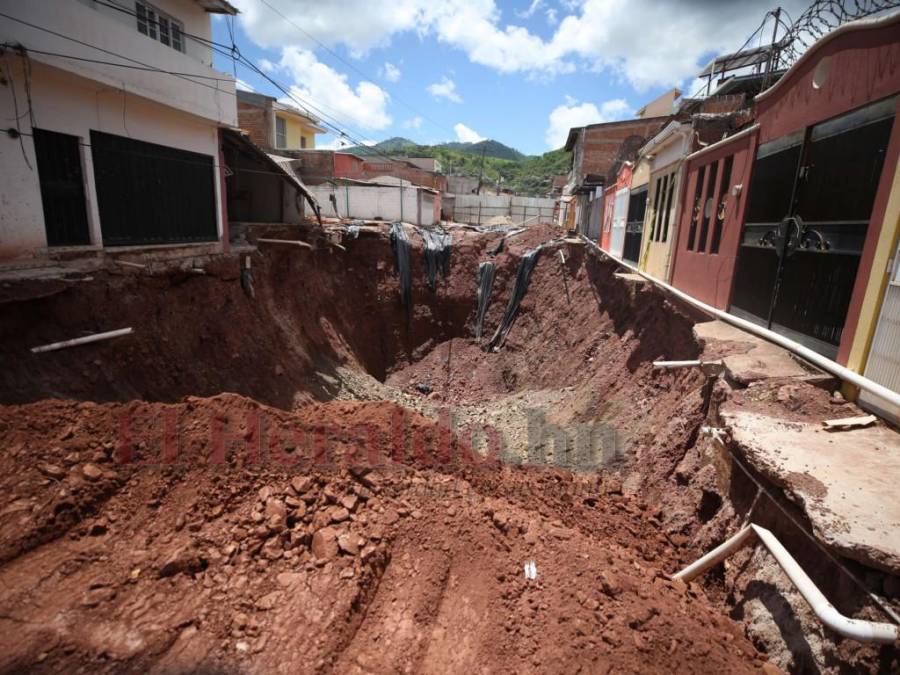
152, 194
807, 217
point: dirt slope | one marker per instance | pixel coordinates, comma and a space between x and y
199, 555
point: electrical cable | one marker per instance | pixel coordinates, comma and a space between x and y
352, 66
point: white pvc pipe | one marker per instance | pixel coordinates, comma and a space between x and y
815, 358
96, 337
717, 555
676, 364
857, 629
864, 631
291, 242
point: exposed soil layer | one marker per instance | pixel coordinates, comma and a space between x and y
213, 562
316, 478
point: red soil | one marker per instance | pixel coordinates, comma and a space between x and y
234, 565
151, 522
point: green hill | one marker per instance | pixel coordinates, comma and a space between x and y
526, 175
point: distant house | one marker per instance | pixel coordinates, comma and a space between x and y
275, 126
660, 106
320, 166
427, 163
100, 153
557, 183
462, 185
598, 153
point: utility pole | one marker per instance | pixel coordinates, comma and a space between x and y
481, 170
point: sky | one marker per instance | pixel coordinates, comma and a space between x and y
521, 72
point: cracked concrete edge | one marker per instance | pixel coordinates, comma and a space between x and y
828, 528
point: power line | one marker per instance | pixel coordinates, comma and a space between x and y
105, 51
351, 65
229, 51
233, 52
72, 57
219, 48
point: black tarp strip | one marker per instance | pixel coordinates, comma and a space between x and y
523, 276
400, 244
485, 284
437, 254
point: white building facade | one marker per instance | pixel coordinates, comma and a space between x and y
114, 139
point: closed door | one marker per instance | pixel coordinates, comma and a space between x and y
808, 214
62, 188
152, 194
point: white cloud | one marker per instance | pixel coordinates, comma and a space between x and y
413, 123
267, 66
446, 88
646, 42
532, 8
575, 114
390, 72
552, 19
466, 135
243, 86
335, 143
328, 91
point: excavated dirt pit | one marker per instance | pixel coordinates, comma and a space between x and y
318, 479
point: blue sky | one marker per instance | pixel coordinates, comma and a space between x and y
518, 71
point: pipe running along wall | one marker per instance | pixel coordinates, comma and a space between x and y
815, 358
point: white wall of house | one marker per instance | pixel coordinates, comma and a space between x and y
75, 97
70, 105
117, 34
376, 202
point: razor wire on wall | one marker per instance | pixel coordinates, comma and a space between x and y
820, 18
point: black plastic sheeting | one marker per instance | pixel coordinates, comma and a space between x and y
523, 277
400, 244
437, 254
485, 284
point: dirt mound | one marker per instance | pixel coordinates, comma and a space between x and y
221, 535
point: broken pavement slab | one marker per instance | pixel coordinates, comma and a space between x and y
845, 483
749, 358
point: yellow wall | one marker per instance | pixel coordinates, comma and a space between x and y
656, 255
297, 130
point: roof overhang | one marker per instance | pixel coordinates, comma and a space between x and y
217, 6
280, 166
572, 138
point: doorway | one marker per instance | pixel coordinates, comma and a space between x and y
62, 188
808, 213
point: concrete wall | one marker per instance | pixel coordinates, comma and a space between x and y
478, 209
461, 185
68, 104
378, 203
297, 131
116, 32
